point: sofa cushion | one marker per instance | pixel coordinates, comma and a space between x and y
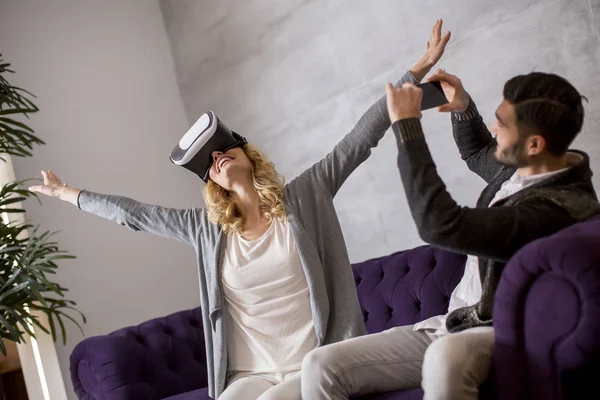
413, 394
200, 394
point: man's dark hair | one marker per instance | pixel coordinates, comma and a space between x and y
548, 104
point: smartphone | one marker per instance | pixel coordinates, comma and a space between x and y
433, 95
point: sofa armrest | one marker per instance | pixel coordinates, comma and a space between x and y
546, 316
156, 359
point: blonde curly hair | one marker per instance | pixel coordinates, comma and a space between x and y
268, 183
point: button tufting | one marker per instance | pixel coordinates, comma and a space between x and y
168, 331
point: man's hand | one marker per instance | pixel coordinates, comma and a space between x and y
458, 99
434, 49
404, 102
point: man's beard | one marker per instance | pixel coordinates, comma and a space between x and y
513, 156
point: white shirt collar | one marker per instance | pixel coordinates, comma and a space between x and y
572, 159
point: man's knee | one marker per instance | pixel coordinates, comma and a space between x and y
322, 374
444, 355
460, 352
319, 362
442, 363
454, 365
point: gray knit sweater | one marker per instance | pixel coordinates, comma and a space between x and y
314, 226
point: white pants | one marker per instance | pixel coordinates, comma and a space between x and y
448, 367
263, 387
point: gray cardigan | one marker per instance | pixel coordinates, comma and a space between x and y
314, 225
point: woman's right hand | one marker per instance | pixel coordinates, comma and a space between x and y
54, 187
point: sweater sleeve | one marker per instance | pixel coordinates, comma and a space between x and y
495, 232
475, 142
172, 223
332, 171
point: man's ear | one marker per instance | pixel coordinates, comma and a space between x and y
535, 145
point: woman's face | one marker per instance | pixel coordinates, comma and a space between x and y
229, 167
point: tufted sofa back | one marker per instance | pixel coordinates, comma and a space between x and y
162, 356
406, 287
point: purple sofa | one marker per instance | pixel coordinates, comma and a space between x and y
546, 316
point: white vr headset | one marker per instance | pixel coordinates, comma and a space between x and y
208, 134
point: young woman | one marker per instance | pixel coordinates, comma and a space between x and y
275, 278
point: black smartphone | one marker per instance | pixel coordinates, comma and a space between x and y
433, 95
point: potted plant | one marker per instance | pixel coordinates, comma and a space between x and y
28, 255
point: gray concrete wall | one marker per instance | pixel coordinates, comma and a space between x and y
110, 113
295, 75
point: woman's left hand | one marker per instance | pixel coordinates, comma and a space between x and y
435, 47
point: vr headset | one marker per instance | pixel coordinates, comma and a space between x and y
208, 134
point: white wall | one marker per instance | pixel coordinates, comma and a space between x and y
110, 115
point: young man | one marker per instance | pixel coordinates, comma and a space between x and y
536, 186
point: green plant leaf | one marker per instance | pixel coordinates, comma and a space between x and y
15, 335
14, 289
10, 121
27, 262
11, 111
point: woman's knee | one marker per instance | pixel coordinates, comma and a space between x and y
289, 389
246, 388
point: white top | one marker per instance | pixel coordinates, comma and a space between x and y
269, 325
468, 290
